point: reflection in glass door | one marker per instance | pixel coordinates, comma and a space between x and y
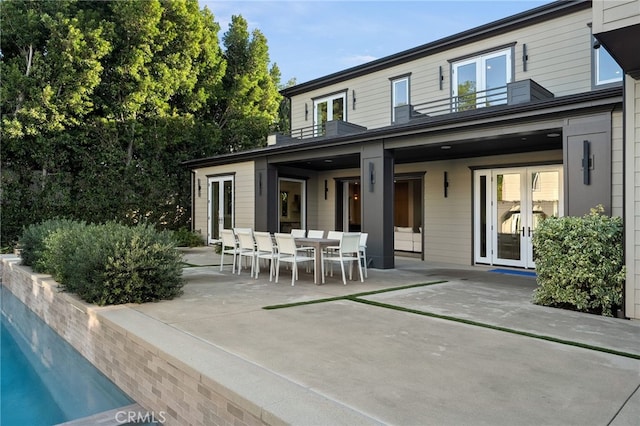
352, 203
509, 206
220, 211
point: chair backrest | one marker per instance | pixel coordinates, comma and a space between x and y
228, 239
298, 233
350, 242
334, 235
239, 230
245, 239
315, 233
286, 243
363, 239
264, 242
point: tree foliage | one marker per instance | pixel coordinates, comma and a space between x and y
101, 101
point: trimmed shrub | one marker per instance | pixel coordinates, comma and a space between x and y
185, 238
112, 263
32, 240
580, 262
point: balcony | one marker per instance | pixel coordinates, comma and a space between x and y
518, 92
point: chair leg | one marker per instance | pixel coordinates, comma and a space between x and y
360, 269
344, 280
277, 270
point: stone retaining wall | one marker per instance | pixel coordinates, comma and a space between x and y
173, 392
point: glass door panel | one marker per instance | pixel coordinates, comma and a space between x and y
544, 202
509, 218
466, 86
495, 80
220, 212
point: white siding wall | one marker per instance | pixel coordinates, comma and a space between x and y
632, 203
617, 166
559, 54
244, 191
610, 15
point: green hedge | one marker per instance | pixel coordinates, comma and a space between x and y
106, 264
580, 262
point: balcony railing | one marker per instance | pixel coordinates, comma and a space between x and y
513, 93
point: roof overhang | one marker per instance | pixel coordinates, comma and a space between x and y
622, 44
497, 130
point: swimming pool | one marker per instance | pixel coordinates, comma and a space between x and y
44, 380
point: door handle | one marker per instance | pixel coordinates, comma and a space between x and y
523, 231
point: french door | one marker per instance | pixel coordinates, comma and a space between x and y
509, 205
220, 206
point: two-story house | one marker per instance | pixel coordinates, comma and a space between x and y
452, 151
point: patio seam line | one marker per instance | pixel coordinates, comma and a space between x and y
496, 327
623, 405
349, 296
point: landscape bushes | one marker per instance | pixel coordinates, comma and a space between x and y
580, 262
105, 264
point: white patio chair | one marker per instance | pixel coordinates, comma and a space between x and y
315, 233
247, 249
266, 249
289, 253
330, 250
348, 251
298, 233
229, 245
363, 251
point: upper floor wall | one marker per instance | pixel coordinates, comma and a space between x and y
555, 51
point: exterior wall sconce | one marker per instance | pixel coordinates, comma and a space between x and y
372, 177
525, 57
260, 183
199, 189
446, 185
440, 77
326, 189
354, 99
306, 112
587, 162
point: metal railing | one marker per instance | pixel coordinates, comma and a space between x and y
466, 102
308, 132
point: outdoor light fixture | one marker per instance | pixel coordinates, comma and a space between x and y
440, 76
354, 99
587, 162
446, 185
199, 188
326, 189
525, 57
372, 176
306, 112
260, 183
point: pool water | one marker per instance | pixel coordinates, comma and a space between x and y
44, 380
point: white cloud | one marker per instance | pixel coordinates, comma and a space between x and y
353, 60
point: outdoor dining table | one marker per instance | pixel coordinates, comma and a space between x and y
318, 244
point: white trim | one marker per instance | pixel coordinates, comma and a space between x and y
221, 180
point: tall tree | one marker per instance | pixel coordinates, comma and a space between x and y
248, 108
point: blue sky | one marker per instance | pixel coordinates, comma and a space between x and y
311, 39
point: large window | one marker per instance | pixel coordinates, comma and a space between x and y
399, 94
481, 80
606, 70
328, 108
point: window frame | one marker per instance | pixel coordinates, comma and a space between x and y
595, 69
394, 81
342, 94
480, 60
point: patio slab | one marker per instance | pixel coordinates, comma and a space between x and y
398, 367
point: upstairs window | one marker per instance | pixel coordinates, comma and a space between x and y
606, 69
328, 108
399, 94
481, 81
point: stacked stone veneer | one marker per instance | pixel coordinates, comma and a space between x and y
171, 390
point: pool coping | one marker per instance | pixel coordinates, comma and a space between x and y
171, 373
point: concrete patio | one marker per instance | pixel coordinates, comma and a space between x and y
468, 347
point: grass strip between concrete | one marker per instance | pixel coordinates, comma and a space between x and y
495, 327
350, 296
358, 298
